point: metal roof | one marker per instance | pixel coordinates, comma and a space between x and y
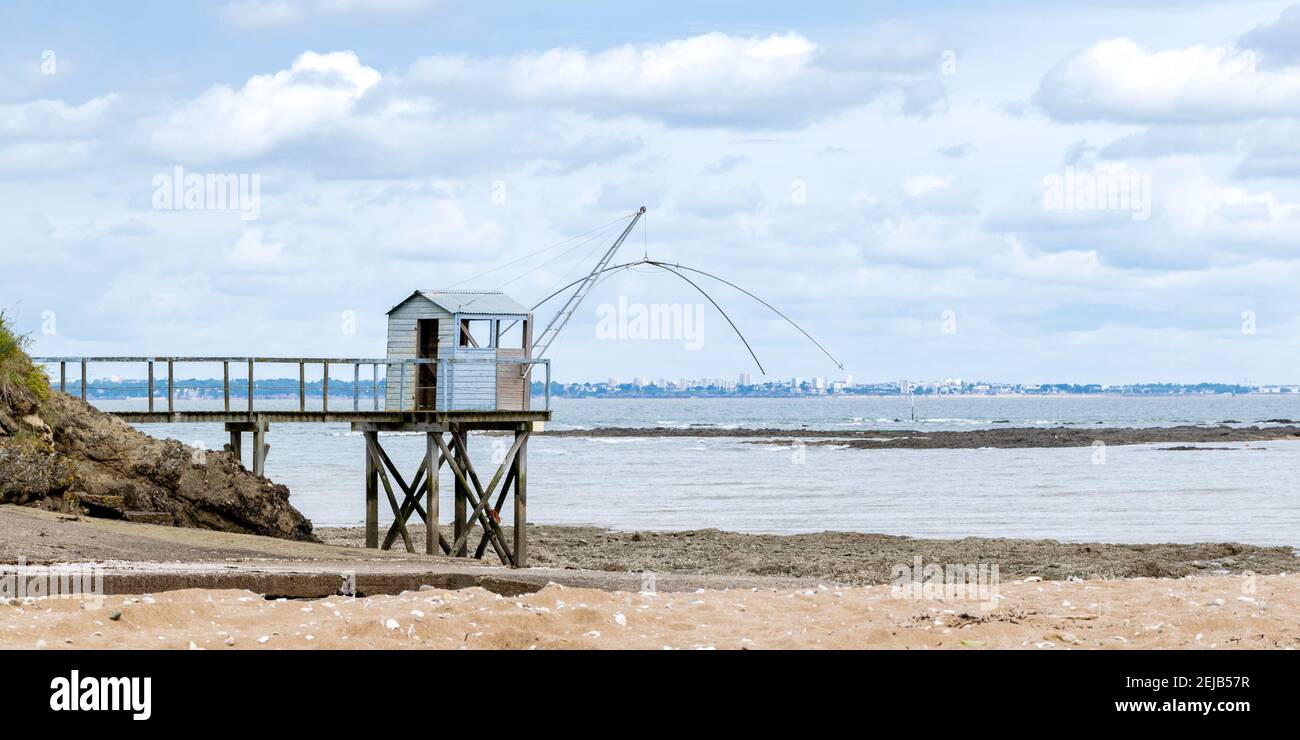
471, 302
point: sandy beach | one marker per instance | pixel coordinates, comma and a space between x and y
1202, 612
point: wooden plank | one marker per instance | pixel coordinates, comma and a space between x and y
498, 542
485, 521
506, 490
485, 494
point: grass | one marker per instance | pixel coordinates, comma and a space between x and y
16, 368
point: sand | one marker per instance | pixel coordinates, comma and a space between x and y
1213, 612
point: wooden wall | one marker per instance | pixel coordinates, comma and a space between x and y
401, 344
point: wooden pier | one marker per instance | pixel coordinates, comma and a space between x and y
446, 437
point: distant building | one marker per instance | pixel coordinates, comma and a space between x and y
744, 379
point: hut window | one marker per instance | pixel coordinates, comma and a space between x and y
475, 333
511, 334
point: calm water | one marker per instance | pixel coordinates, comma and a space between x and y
1137, 494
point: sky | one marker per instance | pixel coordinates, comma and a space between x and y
1003, 191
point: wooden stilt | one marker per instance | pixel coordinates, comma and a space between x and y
372, 493
521, 500
461, 524
260, 448
432, 462
236, 444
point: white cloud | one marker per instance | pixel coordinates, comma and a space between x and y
315, 93
52, 118
917, 186
711, 79
1118, 80
270, 13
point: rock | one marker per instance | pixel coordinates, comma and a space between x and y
150, 517
115, 615
61, 453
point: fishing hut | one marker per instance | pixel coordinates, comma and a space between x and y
457, 362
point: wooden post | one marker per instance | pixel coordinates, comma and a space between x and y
150, 391
302, 386
171, 381
374, 385
250, 385
236, 444
63, 377
521, 502
461, 525
356, 386
325, 388
83, 380
431, 495
260, 447
225, 383
372, 492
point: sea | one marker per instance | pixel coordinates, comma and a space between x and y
1248, 493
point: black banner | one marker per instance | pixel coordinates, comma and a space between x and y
304, 687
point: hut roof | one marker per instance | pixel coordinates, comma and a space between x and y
470, 302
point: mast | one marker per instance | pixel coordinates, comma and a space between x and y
566, 312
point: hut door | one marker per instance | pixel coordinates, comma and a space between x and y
426, 347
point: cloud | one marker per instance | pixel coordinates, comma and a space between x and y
714, 79
49, 119
272, 13
1118, 80
1279, 41
317, 92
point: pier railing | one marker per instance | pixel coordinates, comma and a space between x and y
446, 369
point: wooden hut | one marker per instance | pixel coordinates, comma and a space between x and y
465, 342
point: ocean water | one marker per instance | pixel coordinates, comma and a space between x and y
1249, 493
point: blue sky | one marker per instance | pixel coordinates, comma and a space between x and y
878, 171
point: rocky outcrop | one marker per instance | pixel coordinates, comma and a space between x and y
59, 452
